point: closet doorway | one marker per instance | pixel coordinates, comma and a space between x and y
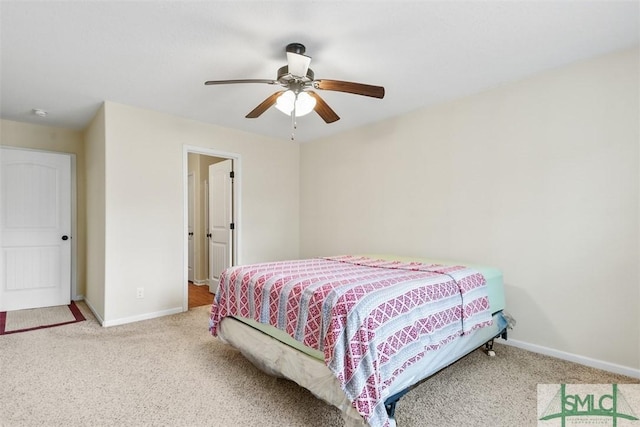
211, 220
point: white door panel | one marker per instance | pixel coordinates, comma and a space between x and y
35, 229
190, 225
220, 219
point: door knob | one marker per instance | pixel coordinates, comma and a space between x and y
65, 237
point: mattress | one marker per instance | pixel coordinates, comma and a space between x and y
495, 289
492, 275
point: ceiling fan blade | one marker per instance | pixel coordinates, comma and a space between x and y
350, 87
264, 105
298, 64
323, 109
225, 82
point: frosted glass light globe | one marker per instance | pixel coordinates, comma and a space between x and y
304, 104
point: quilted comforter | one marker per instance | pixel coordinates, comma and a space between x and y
371, 318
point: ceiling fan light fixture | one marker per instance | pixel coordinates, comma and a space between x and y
304, 103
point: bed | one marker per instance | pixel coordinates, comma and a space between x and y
358, 331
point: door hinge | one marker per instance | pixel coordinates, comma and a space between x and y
232, 226
232, 174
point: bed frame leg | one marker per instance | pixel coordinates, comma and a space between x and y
488, 348
391, 402
391, 411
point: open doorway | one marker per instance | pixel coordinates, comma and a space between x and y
211, 221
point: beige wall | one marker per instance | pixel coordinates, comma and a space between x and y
538, 177
131, 210
145, 200
39, 137
95, 140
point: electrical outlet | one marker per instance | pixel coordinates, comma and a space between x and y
140, 293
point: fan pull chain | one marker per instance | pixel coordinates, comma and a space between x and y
293, 118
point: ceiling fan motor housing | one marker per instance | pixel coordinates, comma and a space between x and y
296, 48
285, 77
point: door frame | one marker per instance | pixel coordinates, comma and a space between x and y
74, 216
236, 205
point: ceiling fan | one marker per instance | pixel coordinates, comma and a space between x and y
298, 81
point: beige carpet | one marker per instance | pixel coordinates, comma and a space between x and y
171, 372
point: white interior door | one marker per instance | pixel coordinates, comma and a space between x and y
191, 209
35, 229
220, 233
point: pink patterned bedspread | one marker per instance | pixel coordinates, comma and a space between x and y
371, 318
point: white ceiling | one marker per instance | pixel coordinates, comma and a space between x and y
66, 57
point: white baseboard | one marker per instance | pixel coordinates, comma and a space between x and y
583, 360
131, 319
201, 282
140, 317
